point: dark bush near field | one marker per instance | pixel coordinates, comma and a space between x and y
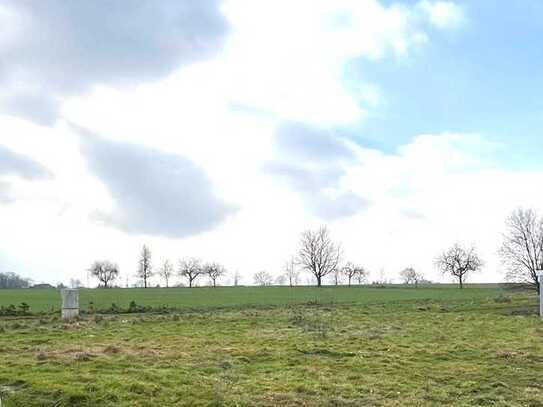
22, 309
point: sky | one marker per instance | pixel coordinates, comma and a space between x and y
224, 129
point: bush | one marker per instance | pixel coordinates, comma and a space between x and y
134, 308
24, 308
503, 299
114, 309
11, 310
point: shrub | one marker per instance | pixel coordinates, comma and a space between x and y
503, 299
10, 310
24, 308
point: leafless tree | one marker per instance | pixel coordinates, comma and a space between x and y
292, 274
349, 271
214, 271
237, 278
166, 272
522, 248
458, 261
105, 271
319, 254
263, 278
75, 283
410, 276
336, 276
361, 275
191, 269
145, 267
12, 280
281, 279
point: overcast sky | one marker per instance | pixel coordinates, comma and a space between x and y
223, 129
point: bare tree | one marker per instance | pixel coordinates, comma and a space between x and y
319, 254
105, 271
382, 280
336, 276
361, 275
522, 248
214, 271
237, 278
349, 271
458, 261
145, 267
410, 276
263, 278
166, 272
291, 273
12, 280
281, 279
191, 269
75, 283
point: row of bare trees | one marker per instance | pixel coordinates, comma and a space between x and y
521, 254
321, 256
190, 268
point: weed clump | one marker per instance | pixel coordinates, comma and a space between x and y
314, 323
41, 356
23, 309
17, 325
111, 350
83, 356
503, 299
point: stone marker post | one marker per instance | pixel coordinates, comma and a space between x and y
70, 304
540, 276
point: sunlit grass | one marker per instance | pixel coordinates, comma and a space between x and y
460, 351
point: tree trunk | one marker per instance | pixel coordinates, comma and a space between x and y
350, 281
319, 281
460, 282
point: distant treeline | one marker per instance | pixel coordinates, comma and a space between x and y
12, 280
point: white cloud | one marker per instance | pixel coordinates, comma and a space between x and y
283, 60
433, 191
443, 14
288, 57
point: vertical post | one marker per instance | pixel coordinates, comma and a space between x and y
540, 276
70, 304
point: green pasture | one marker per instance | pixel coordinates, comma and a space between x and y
41, 300
357, 347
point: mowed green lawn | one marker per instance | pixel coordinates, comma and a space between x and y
198, 298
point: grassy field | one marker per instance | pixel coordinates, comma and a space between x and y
202, 298
372, 347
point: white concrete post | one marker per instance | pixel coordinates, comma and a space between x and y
540, 276
70, 304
